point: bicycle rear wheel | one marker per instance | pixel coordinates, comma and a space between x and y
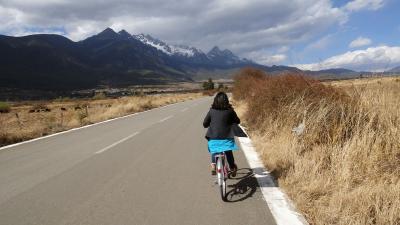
221, 177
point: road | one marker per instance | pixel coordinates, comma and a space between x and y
149, 168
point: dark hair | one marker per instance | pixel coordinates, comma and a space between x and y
221, 102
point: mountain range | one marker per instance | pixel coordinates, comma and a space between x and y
395, 70
109, 58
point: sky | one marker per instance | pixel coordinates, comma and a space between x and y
362, 35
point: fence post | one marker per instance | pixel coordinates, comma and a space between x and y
62, 118
19, 121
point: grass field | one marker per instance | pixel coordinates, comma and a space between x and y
343, 164
27, 120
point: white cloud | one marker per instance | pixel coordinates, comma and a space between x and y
320, 44
357, 5
283, 49
359, 42
274, 59
372, 59
10, 18
242, 26
267, 58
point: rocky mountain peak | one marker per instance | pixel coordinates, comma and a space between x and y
107, 33
124, 34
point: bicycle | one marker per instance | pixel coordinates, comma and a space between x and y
222, 173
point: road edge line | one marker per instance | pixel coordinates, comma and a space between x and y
281, 207
86, 126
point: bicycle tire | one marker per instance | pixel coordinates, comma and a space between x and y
218, 170
221, 177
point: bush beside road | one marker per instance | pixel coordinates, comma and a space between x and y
333, 147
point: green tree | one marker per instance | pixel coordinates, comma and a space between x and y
208, 85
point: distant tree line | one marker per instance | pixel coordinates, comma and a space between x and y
210, 85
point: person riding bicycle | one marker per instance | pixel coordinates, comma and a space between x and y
219, 120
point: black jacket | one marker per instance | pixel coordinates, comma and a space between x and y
219, 123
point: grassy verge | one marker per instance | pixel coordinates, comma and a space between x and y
343, 165
28, 120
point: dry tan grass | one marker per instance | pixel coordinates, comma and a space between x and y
346, 175
20, 125
364, 82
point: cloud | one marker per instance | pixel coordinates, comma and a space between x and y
359, 42
242, 26
266, 58
320, 44
358, 5
378, 58
10, 18
274, 59
283, 49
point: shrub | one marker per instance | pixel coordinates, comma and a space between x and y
99, 95
40, 107
208, 85
147, 105
5, 107
271, 98
247, 82
349, 146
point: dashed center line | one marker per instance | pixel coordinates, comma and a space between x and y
116, 143
165, 119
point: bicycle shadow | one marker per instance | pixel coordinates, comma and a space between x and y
246, 185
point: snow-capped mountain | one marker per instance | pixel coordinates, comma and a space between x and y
182, 53
108, 58
193, 55
223, 56
216, 52
176, 54
180, 50
125, 34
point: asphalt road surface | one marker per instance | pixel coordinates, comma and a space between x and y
149, 168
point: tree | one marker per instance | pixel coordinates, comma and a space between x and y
208, 85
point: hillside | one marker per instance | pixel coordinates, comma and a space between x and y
115, 59
53, 62
395, 70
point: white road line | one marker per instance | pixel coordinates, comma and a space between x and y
165, 119
183, 110
279, 204
116, 143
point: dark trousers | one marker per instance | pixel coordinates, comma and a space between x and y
229, 158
